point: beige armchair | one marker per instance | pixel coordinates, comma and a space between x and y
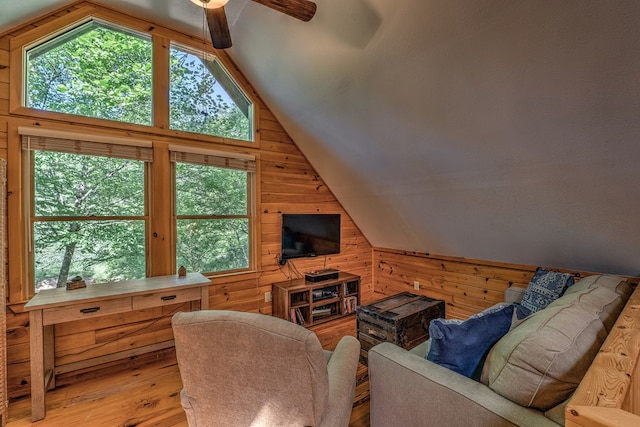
246, 369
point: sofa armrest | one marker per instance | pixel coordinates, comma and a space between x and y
342, 368
409, 390
514, 294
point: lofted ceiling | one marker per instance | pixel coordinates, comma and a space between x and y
492, 129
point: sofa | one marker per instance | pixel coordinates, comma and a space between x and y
528, 377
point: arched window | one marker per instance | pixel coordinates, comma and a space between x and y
102, 70
119, 179
94, 70
204, 99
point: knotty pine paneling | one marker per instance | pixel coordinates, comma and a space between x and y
18, 371
4, 94
467, 286
4, 84
287, 183
3, 137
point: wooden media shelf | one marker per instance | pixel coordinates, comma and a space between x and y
310, 303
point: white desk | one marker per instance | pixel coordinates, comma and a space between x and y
59, 305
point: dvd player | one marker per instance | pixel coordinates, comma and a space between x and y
320, 275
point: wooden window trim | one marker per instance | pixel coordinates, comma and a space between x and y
234, 160
75, 143
160, 177
161, 39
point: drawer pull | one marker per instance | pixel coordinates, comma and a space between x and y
89, 310
168, 297
377, 334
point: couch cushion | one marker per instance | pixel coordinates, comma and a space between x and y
544, 288
541, 362
612, 282
462, 346
607, 313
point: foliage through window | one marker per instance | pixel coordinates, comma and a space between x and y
95, 70
104, 71
90, 209
212, 214
88, 218
204, 99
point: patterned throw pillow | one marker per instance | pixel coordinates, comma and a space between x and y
544, 288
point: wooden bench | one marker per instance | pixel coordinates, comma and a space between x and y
609, 393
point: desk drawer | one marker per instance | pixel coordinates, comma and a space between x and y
166, 298
85, 310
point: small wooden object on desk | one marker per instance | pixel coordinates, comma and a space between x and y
402, 319
76, 283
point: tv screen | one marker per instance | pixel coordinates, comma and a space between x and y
310, 235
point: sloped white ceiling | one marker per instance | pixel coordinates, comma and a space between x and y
491, 129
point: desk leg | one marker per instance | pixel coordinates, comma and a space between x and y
49, 354
36, 333
204, 298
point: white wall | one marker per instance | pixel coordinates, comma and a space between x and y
490, 129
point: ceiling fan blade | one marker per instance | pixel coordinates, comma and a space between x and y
218, 28
300, 9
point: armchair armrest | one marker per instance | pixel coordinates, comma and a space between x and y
409, 390
342, 368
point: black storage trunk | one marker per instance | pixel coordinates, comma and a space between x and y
402, 319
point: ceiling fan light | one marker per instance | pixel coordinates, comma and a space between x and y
210, 4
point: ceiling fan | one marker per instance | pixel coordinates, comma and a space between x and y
217, 19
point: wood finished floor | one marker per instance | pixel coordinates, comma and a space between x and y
146, 392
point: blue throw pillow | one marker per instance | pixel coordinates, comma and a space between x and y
462, 346
544, 288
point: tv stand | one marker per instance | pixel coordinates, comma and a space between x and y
309, 303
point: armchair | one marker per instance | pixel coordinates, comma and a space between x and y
241, 369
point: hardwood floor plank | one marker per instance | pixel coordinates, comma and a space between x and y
144, 391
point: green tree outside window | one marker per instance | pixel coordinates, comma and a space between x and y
212, 218
88, 218
89, 213
94, 70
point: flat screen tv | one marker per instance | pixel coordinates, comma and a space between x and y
310, 235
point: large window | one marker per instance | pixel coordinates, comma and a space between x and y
95, 70
213, 212
88, 211
96, 203
101, 70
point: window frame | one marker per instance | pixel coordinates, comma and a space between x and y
161, 38
251, 171
28, 165
152, 203
160, 242
65, 32
206, 56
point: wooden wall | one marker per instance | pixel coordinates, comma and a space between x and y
287, 183
467, 286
